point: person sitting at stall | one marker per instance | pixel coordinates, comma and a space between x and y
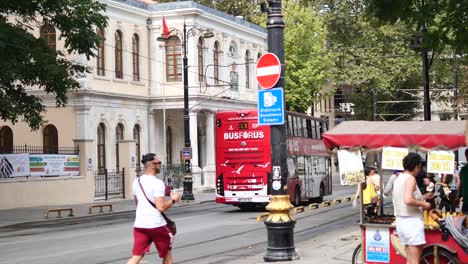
408, 203
369, 194
449, 192
375, 178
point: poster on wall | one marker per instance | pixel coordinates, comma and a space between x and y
54, 165
14, 165
350, 167
440, 161
392, 158
378, 245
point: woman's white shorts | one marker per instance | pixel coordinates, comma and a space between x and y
410, 230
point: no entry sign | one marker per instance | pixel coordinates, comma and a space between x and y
268, 70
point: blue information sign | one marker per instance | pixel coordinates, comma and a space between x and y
271, 107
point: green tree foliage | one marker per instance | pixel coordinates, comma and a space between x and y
369, 56
446, 21
308, 64
447, 31
26, 60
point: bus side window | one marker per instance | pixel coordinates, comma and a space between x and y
309, 128
314, 129
290, 126
299, 126
321, 129
296, 125
304, 127
293, 126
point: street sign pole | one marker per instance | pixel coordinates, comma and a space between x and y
279, 224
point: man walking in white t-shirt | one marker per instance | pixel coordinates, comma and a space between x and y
150, 226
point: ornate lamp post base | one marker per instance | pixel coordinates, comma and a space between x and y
187, 195
280, 228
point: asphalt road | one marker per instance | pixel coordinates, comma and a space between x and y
207, 233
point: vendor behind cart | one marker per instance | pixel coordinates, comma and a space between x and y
369, 194
408, 203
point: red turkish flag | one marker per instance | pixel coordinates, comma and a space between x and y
165, 33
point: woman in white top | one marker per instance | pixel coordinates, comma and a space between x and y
408, 203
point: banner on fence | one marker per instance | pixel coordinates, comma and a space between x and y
14, 165
54, 165
440, 161
392, 158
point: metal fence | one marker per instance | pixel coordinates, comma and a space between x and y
172, 175
39, 150
109, 184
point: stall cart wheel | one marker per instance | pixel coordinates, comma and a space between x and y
445, 257
357, 255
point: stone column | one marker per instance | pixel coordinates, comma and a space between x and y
87, 160
82, 114
210, 168
151, 132
196, 171
127, 161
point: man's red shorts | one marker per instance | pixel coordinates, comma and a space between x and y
142, 238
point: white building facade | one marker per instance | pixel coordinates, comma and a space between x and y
133, 100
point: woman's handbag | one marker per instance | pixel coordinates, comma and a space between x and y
170, 224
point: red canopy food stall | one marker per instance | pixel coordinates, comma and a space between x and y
371, 135
376, 134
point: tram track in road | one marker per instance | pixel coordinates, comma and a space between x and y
301, 234
57, 225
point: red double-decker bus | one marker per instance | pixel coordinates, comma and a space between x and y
243, 159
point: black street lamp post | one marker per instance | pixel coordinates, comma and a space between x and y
187, 151
279, 223
416, 45
187, 194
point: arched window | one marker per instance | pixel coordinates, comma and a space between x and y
101, 148
216, 62
6, 140
247, 69
136, 137
169, 145
136, 57
173, 59
201, 64
100, 59
50, 140
118, 55
119, 135
48, 34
